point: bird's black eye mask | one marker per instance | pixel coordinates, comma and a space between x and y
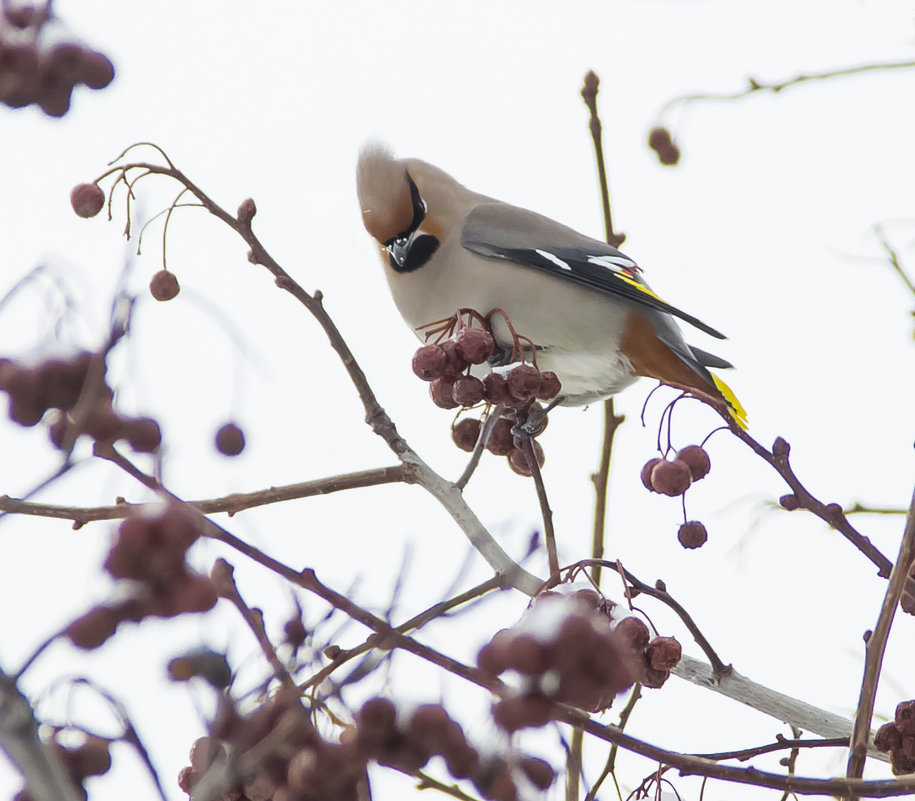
406, 251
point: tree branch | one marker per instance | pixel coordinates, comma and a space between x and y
876, 645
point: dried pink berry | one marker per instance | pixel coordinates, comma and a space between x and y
467, 391
523, 382
550, 385
87, 200
495, 389
465, 433
517, 459
429, 362
164, 285
671, 478
475, 345
647, 469
692, 534
501, 442
441, 391
697, 459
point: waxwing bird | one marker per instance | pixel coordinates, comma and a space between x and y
591, 316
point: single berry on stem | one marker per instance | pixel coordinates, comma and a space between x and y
647, 469
465, 433
697, 459
495, 389
164, 285
87, 200
671, 478
523, 382
467, 391
518, 459
501, 442
429, 362
442, 392
475, 345
692, 534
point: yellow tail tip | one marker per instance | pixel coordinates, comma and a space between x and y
737, 411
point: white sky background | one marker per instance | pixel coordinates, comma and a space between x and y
764, 231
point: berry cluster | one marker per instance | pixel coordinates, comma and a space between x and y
447, 366
654, 658
661, 142
515, 388
303, 766
148, 553
60, 384
410, 743
38, 65
898, 738
501, 440
569, 647
92, 758
674, 477
565, 650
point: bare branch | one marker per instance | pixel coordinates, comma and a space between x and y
231, 504
876, 645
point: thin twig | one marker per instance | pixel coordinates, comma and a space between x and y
611, 421
858, 508
223, 576
485, 431
754, 86
610, 766
689, 765
589, 95
831, 513
895, 261
601, 480
433, 612
231, 504
549, 535
743, 754
574, 763
876, 645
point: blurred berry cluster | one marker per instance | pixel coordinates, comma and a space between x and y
148, 555
40, 63
570, 648
303, 766
91, 758
673, 477
75, 387
515, 388
898, 738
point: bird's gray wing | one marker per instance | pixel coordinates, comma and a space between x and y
500, 231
